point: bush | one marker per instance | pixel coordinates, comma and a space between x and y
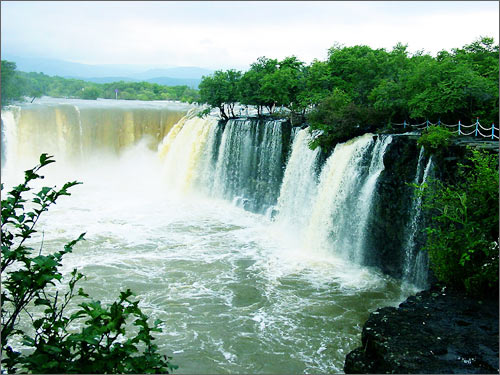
462, 240
204, 113
339, 120
90, 93
435, 139
100, 344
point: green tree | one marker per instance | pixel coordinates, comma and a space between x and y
101, 344
12, 84
482, 55
221, 89
338, 119
255, 84
274, 90
293, 82
357, 70
327, 118
230, 79
249, 89
441, 88
90, 92
462, 240
389, 97
436, 139
16, 85
212, 91
317, 84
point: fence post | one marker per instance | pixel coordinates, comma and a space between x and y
458, 127
477, 124
426, 124
404, 124
439, 122
493, 131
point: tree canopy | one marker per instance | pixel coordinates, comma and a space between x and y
11, 85
16, 85
359, 88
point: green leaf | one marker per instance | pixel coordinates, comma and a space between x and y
42, 302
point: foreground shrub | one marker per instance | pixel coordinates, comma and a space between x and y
462, 240
94, 339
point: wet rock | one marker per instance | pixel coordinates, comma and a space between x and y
392, 197
436, 331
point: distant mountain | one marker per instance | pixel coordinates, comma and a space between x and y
166, 75
169, 81
104, 79
177, 72
71, 69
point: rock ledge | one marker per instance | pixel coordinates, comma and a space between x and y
436, 331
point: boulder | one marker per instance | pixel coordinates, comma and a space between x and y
436, 331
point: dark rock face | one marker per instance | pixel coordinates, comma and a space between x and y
436, 331
390, 213
391, 208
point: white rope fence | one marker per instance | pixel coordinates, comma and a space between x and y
476, 128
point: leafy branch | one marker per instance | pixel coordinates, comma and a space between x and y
30, 281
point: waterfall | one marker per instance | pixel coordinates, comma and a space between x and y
243, 164
182, 151
299, 185
269, 172
208, 159
248, 169
345, 193
327, 205
295, 131
79, 116
10, 118
241, 161
76, 130
366, 197
419, 165
416, 263
331, 218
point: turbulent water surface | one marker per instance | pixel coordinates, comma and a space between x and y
238, 292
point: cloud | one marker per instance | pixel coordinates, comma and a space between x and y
234, 34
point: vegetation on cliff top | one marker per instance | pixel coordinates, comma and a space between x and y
436, 139
358, 89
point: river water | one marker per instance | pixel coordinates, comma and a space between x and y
237, 292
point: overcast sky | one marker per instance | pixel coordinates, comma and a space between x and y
229, 34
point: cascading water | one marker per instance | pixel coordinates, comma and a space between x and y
247, 168
330, 213
206, 169
75, 130
79, 116
340, 177
365, 199
416, 262
182, 149
249, 164
299, 185
295, 131
345, 193
237, 292
10, 118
